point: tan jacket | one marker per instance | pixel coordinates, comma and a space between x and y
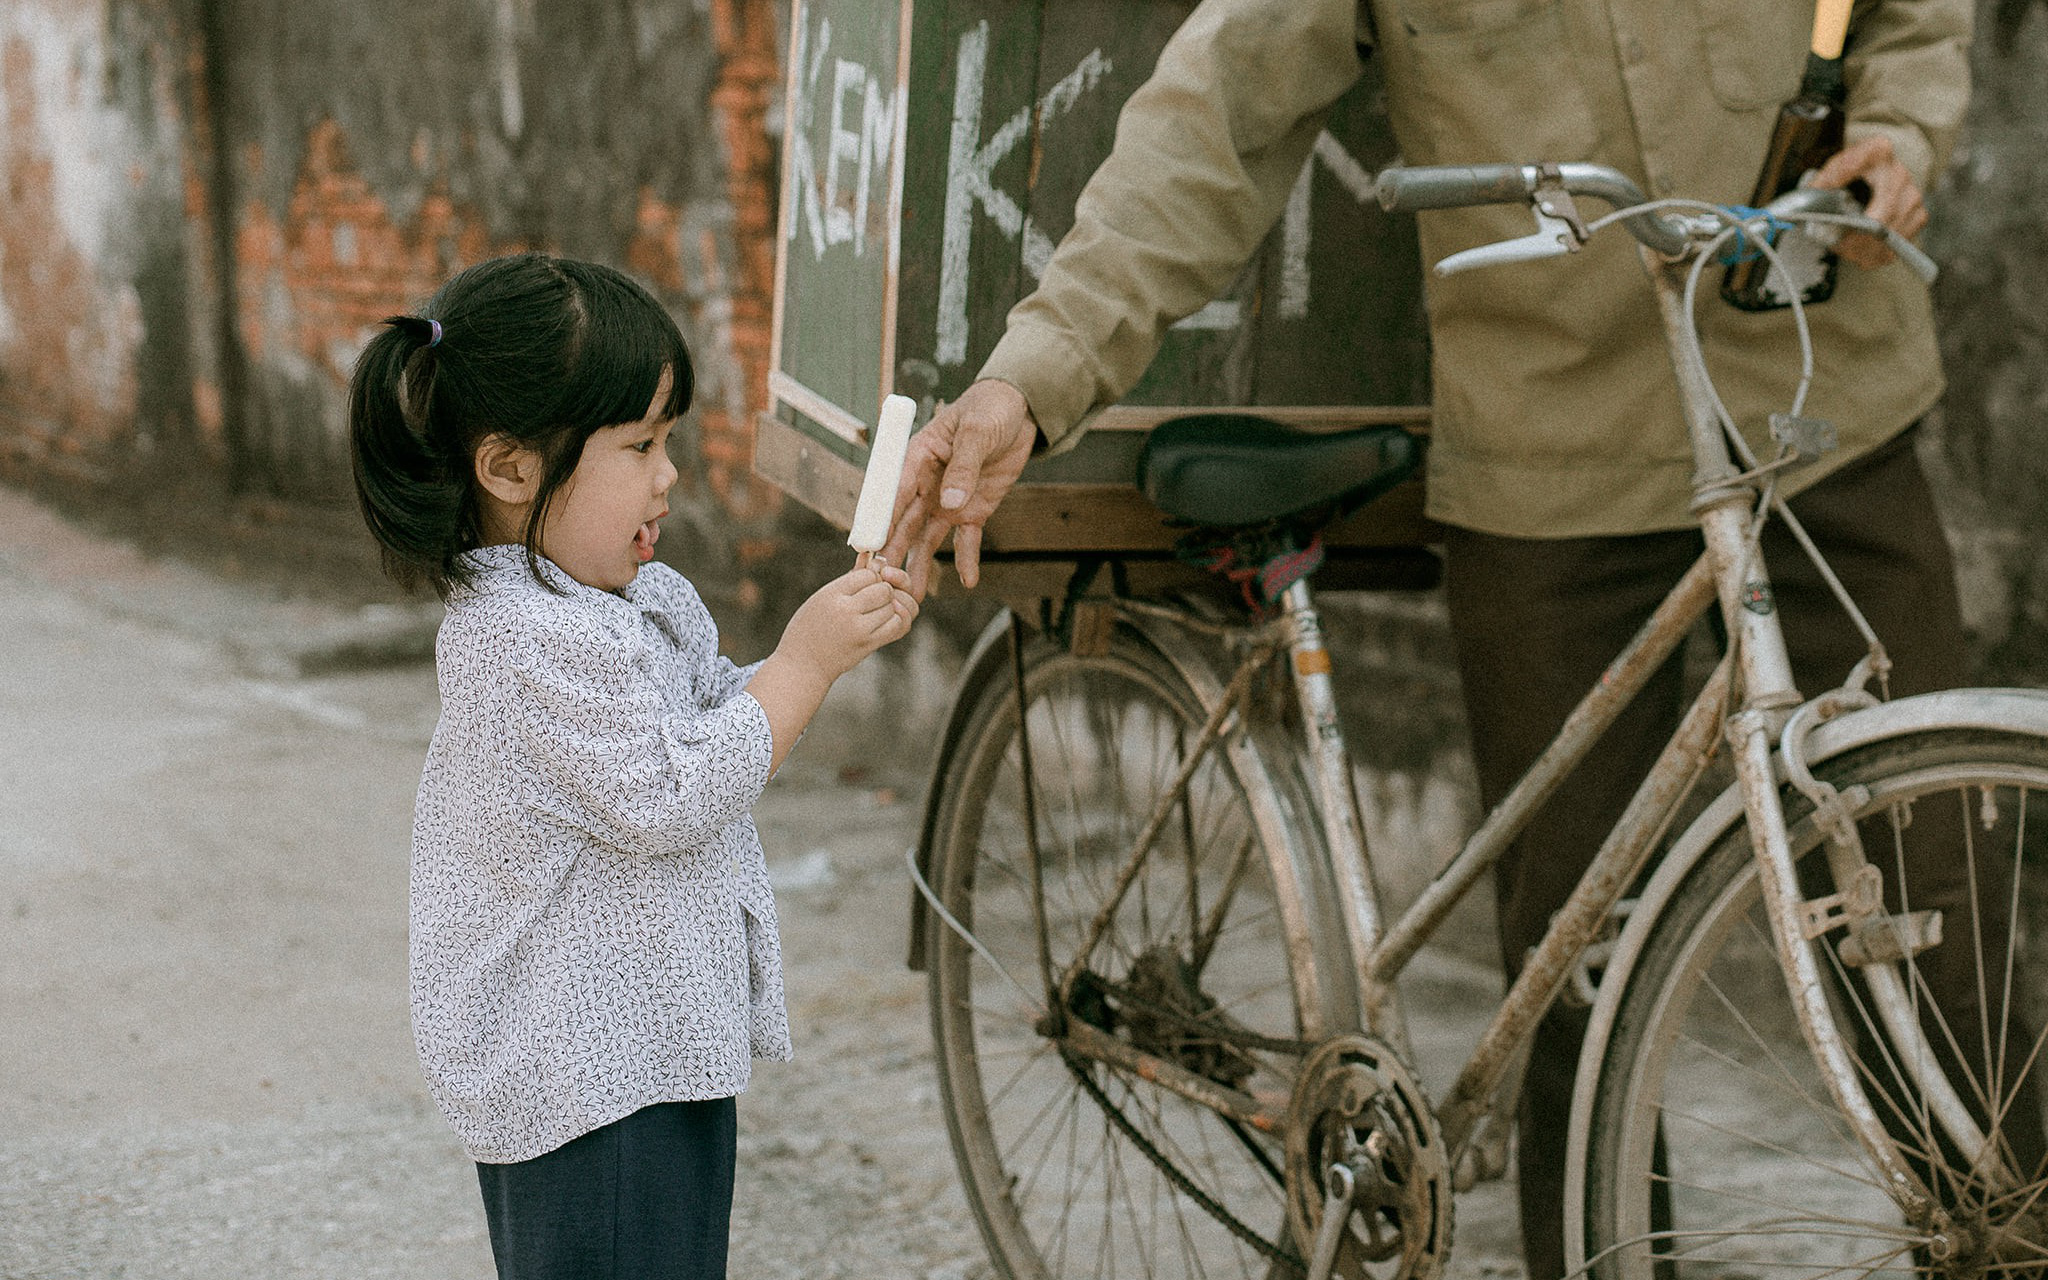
1556, 411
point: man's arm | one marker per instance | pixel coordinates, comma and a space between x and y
1206, 152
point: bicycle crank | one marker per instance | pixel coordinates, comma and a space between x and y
1363, 1146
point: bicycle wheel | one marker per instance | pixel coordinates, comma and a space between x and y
1707, 1093
1225, 943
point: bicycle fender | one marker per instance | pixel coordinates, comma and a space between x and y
2019, 711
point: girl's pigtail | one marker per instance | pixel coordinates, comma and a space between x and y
413, 492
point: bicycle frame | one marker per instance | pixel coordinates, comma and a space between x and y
1732, 574
1749, 703
1757, 666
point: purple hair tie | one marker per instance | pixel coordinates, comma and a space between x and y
434, 341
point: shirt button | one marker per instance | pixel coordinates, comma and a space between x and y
1632, 49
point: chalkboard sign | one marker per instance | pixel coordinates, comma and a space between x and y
932, 156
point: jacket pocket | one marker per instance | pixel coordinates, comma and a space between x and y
1754, 52
1466, 17
1490, 81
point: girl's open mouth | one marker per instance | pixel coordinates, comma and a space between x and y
644, 540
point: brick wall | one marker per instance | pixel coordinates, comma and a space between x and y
206, 207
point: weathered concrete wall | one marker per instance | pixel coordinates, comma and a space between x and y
629, 133
208, 205
101, 215
1990, 452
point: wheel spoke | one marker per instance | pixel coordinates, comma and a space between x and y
1756, 1038
1211, 929
1765, 1176
1080, 1169
2012, 936
1863, 1226
1776, 1148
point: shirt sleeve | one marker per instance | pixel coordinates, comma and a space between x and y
1908, 71
1206, 152
615, 762
719, 678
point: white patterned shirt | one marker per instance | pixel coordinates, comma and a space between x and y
592, 927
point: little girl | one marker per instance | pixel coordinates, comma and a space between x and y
593, 950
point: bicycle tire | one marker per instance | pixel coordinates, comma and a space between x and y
1058, 1184
1705, 1060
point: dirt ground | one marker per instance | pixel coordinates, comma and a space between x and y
208, 1068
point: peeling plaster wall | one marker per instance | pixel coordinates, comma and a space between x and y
97, 230
195, 308
589, 130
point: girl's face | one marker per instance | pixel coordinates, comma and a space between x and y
601, 526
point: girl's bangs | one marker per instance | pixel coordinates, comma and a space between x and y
629, 338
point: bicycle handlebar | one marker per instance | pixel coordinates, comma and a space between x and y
1458, 186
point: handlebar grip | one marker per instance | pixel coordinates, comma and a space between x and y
1404, 190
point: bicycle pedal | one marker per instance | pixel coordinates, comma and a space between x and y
1890, 939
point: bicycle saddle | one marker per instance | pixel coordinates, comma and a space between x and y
1232, 469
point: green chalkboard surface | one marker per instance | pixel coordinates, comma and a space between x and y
932, 155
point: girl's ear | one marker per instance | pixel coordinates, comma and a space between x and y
508, 470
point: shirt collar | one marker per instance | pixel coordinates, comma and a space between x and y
502, 567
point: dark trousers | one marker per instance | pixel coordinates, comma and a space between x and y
1535, 623
648, 1197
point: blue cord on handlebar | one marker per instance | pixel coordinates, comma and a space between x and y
1740, 249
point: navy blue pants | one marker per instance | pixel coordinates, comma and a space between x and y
648, 1197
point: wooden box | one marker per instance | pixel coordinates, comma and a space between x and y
932, 155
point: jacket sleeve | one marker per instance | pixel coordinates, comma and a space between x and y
613, 761
1206, 152
1908, 71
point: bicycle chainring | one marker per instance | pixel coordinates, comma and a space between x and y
1356, 1103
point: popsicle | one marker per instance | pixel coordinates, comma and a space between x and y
891, 439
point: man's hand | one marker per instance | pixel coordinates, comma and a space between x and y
958, 468
1895, 198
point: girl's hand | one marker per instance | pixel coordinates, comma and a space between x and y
847, 619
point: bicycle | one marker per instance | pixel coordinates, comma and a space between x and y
1163, 992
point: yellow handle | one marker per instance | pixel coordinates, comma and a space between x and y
1830, 27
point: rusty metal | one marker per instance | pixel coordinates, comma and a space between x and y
1749, 732
1357, 1105
1724, 505
1621, 858
1162, 810
1337, 806
1877, 941
1092, 1044
1757, 641
1624, 678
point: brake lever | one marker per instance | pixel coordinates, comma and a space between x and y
1553, 238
